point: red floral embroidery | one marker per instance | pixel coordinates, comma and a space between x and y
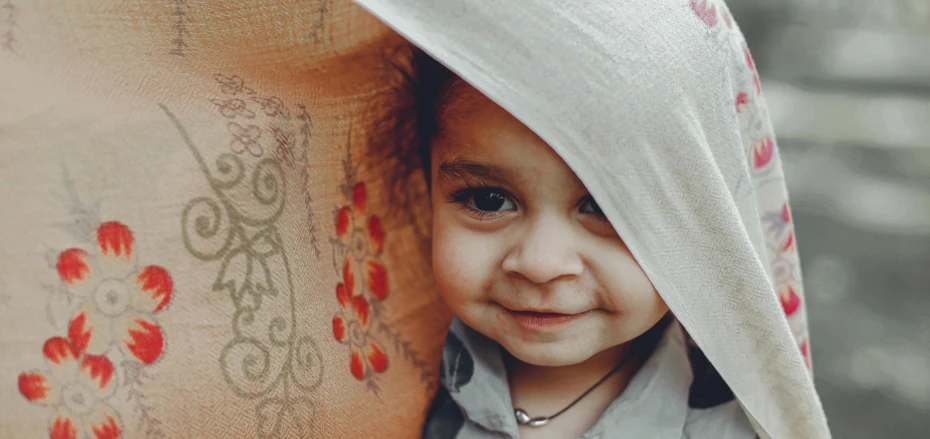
364, 236
63, 428
343, 222
789, 243
351, 326
116, 239
376, 358
763, 152
348, 276
72, 265
58, 349
707, 13
742, 98
786, 213
157, 281
79, 332
33, 386
99, 369
77, 385
377, 280
117, 305
108, 429
145, 341
375, 234
364, 279
359, 199
791, 303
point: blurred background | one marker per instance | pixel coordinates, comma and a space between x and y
848, 86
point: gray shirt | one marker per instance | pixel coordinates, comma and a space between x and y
474, 398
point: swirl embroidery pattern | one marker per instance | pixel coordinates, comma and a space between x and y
179, 43
8, 39
360, 322
112, 334
267, 360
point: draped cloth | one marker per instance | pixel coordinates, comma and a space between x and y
657, 107
195, 237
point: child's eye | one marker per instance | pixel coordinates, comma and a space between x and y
590, 206
485, 200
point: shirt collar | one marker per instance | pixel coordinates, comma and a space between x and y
654, 403
485, 398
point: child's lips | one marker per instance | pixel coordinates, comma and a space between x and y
542, 319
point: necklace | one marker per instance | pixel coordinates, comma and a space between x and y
524, 419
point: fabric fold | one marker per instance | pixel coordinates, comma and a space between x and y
656, 106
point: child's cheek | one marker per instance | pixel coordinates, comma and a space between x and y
629, 291
461, 264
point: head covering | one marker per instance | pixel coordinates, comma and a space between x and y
657, 108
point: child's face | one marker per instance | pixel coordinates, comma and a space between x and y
521, 253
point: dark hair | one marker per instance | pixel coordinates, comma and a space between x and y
407, 117
419, 98
412, 115
432, 88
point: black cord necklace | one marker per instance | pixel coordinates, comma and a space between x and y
524, 419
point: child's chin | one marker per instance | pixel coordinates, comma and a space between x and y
552, 355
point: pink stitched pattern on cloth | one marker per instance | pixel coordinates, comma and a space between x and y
762, 153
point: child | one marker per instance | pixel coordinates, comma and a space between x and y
608, 209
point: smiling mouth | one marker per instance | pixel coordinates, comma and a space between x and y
542, 320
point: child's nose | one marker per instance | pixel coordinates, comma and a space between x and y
545, 251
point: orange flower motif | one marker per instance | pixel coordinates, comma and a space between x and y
364, 237
351, 326
118, 303
76, 386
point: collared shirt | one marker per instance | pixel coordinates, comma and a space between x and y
474, 399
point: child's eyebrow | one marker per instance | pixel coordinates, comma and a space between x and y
460, 169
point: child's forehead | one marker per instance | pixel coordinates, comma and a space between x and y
473, 120
519, 163
459, 101
483, 137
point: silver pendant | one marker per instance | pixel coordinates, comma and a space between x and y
524, 419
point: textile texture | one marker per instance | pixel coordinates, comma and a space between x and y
658, 109
194, 238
